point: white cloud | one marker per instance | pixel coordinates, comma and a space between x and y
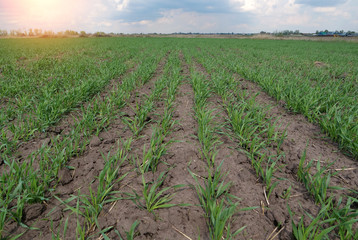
250, 5
178, 20
107, 24
121, 4
325, 9
184, 16
264, 7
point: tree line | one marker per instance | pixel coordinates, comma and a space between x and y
49, 33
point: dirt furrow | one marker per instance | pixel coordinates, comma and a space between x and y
245, 184
272, 212
173, 222
85, 171
64, 126
301, 135
67, 116
184, 155
123, 213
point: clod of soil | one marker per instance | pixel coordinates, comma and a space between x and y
95, 141
320, 64
64, 176
33, 211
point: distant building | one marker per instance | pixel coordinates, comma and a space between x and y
334, 34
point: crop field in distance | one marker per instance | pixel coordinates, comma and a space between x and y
173, 138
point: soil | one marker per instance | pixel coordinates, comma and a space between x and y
66, 123
185, 222
304, 135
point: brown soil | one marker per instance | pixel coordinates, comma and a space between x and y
87, 166
67, 120
272, 215
186, 222
64, 126
301, 135
320, 64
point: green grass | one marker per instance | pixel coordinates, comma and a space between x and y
46, 80
29, 185
219, 206
153, 197
318, 184
89, 206
205, 117
315, 230
323, 95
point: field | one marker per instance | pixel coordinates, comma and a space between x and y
169, 138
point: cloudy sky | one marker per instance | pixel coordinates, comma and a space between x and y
167, 16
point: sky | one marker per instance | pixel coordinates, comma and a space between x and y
168, 16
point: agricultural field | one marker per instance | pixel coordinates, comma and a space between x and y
169, 138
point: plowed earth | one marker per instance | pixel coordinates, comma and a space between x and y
270, 218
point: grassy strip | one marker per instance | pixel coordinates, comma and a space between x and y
61, 93
153, 196
158, 147
24, 128
321, 95
219, 206
339, 215
250, 124
205, 118
338, 211
29, 185
87, 208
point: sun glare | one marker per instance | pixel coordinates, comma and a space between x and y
48, 10
49, 14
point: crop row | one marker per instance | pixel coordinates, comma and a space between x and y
22, 182
214, 194
323, 93
96, 82
87, 208
61, 82
256, 132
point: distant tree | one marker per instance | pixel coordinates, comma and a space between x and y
48, 33
283, 33
31, 33
102, 34
83, 34
3, 33
71, 32
19, 33
37, 31
297, 32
